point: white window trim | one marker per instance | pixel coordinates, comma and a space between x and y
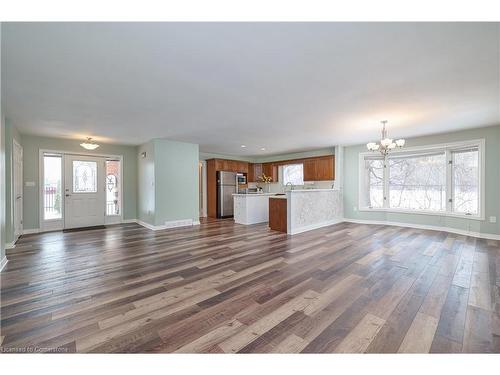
447, 148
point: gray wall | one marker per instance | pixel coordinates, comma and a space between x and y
11, 134
168, 182
492, 172
176, 181
32, 145
146, 183
2, 162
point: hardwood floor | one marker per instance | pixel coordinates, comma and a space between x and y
222, 287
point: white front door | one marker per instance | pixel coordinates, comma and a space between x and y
84, 191
18, 189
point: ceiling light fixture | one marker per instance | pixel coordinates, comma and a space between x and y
386, 144
243, 146
263, 149
89, 144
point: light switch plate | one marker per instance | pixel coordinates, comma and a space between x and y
493, 219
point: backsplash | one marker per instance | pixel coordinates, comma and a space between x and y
278, 187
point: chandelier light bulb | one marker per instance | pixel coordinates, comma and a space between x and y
386, 144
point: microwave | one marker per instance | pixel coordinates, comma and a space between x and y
241, 179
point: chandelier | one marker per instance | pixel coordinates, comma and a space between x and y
386, 144
89, 144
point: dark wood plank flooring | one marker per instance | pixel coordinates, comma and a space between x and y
227, 288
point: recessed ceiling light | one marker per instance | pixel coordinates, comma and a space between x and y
243, 146
262, 149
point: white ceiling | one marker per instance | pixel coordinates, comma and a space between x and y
282, 86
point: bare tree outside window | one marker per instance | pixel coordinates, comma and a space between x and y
418, 182
374, 169
466, 181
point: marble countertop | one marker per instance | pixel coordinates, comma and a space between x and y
310, 190
254, 195
278, 197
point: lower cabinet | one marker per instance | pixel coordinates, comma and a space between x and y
278, 214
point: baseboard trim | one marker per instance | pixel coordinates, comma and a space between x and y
316, 226
128, 221
3, 263
31, 231
486, 236
169, 224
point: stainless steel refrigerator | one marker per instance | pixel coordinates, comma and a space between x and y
226, 187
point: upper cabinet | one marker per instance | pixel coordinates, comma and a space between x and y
231, 165
319, 168
254, 172
270, 170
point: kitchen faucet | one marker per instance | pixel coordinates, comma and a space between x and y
291, 185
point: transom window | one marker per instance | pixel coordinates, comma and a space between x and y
444, 179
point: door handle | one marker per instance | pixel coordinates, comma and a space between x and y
19, 197
68, 195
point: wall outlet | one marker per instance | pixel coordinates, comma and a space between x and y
493, 219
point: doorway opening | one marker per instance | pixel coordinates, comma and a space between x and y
79, 190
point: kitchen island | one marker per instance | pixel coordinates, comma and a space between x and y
294, 212
251, 208
310, 209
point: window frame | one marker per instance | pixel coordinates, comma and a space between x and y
448, 149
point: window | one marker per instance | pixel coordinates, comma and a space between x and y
465, 164
112, 187
374, 168
84, 176
52, 181
418, 182
294, 174
442, 179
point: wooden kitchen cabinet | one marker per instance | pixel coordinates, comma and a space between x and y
270, 169
309, 169
254, 172
319, 169
325, 168
278, 214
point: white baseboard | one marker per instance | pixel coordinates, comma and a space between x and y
31, 231
316, 226
128, 221
169, 224
3, 263
487, 236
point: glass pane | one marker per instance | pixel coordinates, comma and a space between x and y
84, 176
112, 187
418, 182
52, 198
294, 174
374, 170
466, 181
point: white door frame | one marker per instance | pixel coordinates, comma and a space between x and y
58, 224
16, 200
203, 185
